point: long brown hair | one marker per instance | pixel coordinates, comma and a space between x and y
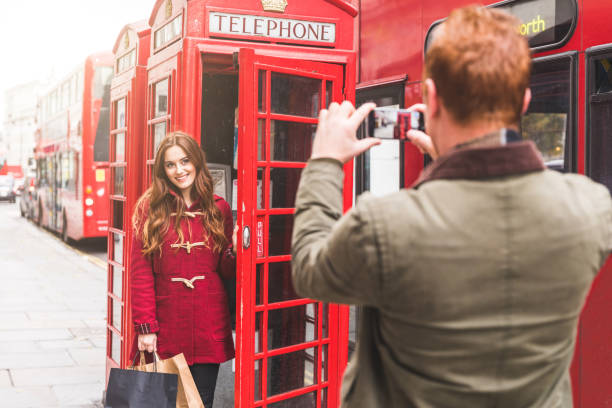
151, 218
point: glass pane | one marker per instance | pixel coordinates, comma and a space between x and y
290, 141
303, 401
120, 147
324, 362
261, 131
324, 398
279, 238
290, 326
283, 187
120, 114
603, 75
116, 307
600, 165
176, 26
280, 286
546, 120
118, 180
261, 188
118, 248
259, 293
257, 379
117, 214
159, 132
261, 91
352, 341
115, 347
329, 89
295, 95
325, 322
161, 98
258, 332
291, 371
117, 281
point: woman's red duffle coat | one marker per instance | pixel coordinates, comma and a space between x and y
180, 295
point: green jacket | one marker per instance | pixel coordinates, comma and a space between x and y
471, 284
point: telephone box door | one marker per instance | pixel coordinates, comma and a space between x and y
290, 350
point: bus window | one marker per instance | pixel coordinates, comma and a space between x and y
549, 121
599, 116
101, 90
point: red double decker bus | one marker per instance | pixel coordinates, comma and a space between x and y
72, 151
569, 120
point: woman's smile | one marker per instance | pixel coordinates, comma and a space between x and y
179, 169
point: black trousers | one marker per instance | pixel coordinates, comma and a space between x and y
205, 378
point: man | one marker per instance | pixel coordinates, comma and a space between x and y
471, 282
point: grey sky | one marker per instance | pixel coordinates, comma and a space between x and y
43, 37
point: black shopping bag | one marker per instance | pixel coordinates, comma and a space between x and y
139, 389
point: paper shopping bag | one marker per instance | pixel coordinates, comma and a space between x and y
136, 389
187, 395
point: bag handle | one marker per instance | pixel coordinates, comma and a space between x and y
143, 360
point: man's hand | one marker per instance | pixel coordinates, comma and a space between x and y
336, 133
147, 342
421, 139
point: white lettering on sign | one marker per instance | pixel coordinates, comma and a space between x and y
269, 27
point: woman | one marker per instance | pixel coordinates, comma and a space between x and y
181, 247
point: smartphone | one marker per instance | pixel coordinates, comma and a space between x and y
392, 123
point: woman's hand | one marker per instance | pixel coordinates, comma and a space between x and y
147, 342
235, 238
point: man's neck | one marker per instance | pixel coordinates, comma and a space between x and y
476, 134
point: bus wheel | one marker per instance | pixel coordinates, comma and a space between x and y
65, 229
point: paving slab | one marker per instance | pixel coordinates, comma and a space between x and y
38, 334
5, 379
98, 341
28, 397
9, 347
64, 344
89, 357
83, 395
56, 358
58, 376
41, 324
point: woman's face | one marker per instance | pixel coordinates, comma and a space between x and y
179, 169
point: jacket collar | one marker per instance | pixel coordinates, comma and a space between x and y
484, 162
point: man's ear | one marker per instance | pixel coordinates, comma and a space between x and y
526, 100
431, 98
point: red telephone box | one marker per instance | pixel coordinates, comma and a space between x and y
246, 79
126, 135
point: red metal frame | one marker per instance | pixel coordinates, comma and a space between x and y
250, 66
396, 25
128, 86
77, 125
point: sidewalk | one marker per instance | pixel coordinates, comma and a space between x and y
52, 320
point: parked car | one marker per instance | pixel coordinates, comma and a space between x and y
7, 184
27, 198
